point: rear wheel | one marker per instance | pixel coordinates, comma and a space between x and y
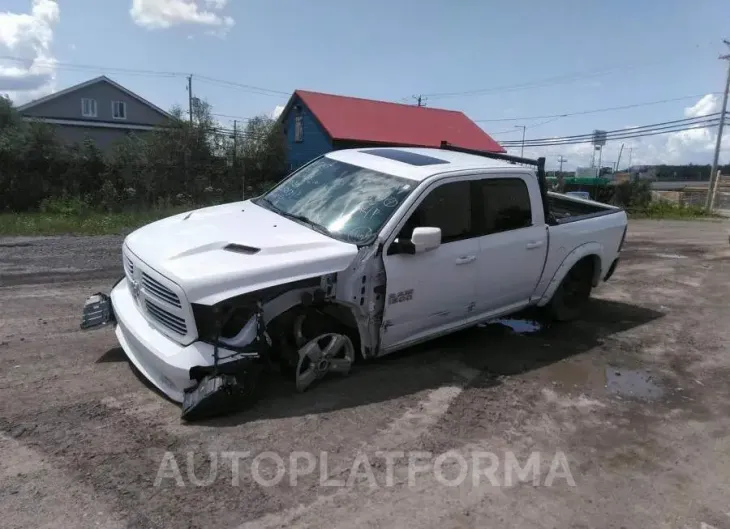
573, 294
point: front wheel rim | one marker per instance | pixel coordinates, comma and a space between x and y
327, 353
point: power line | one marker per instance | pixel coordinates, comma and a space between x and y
95, 69
250, 88
560, 79
589, 136
240, 118
151, 73
597, 110
629, 134
510, 131
626, 133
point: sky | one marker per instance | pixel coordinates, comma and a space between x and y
493, 60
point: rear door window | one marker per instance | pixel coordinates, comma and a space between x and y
506, 205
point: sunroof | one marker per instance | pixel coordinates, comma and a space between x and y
411, 158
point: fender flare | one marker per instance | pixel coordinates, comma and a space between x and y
588, 249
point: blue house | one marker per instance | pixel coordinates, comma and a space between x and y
315, 123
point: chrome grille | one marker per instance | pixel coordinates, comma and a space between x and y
160, 300
161, 292
129, 265
166, 318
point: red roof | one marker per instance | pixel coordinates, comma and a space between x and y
352, 118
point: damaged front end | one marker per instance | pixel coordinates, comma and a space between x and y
216, 374
296, 328
231, 382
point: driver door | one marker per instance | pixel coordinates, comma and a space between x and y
435, 290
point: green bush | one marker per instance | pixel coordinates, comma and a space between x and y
181, 165
65, 206
633, 196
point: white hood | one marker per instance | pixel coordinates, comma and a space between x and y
189, 250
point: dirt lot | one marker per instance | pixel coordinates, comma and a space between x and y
636, 396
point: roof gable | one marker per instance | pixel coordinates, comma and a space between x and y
96, 80
356, 119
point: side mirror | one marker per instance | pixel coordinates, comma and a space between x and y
425, 239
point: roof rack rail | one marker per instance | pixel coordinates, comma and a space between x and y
539, 163
495, 155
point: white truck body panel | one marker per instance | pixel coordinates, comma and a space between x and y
190, 249
456, 285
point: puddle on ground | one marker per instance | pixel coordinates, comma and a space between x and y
632, 383
520, 326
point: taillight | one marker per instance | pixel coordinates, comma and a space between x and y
623, 237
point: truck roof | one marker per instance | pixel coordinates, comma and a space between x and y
418, 163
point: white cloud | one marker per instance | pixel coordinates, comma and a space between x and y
160, 14
277, 111
26, 38
688, 146
709, 104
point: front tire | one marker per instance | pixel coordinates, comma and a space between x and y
313, 344
572, 296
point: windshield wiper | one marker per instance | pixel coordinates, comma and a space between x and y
270, 204
308, 222
301, 218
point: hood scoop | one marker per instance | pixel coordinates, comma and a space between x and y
240, 248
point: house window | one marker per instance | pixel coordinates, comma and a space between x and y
298, 129
88, 107
119, 110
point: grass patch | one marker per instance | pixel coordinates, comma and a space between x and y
91, 223
670, 211
75, 222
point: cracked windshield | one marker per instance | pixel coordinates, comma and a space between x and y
348, 202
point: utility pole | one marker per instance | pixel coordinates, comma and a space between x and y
621, 150
562, 159
716, 158
631, 152
190, 97
522, 150
235, 158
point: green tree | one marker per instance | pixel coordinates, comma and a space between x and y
261, 152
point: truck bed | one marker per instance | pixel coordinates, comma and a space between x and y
566, 209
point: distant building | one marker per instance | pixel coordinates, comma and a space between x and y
99, 109
586, 172
643, 172
316, 123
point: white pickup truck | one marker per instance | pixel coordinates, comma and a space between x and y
359, 253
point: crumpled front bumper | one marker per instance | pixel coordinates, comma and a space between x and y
165, 363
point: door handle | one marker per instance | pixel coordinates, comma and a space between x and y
533, 245
466, 259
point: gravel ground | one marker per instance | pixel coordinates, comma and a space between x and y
635, 395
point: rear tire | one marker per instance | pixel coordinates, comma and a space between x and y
573, 294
